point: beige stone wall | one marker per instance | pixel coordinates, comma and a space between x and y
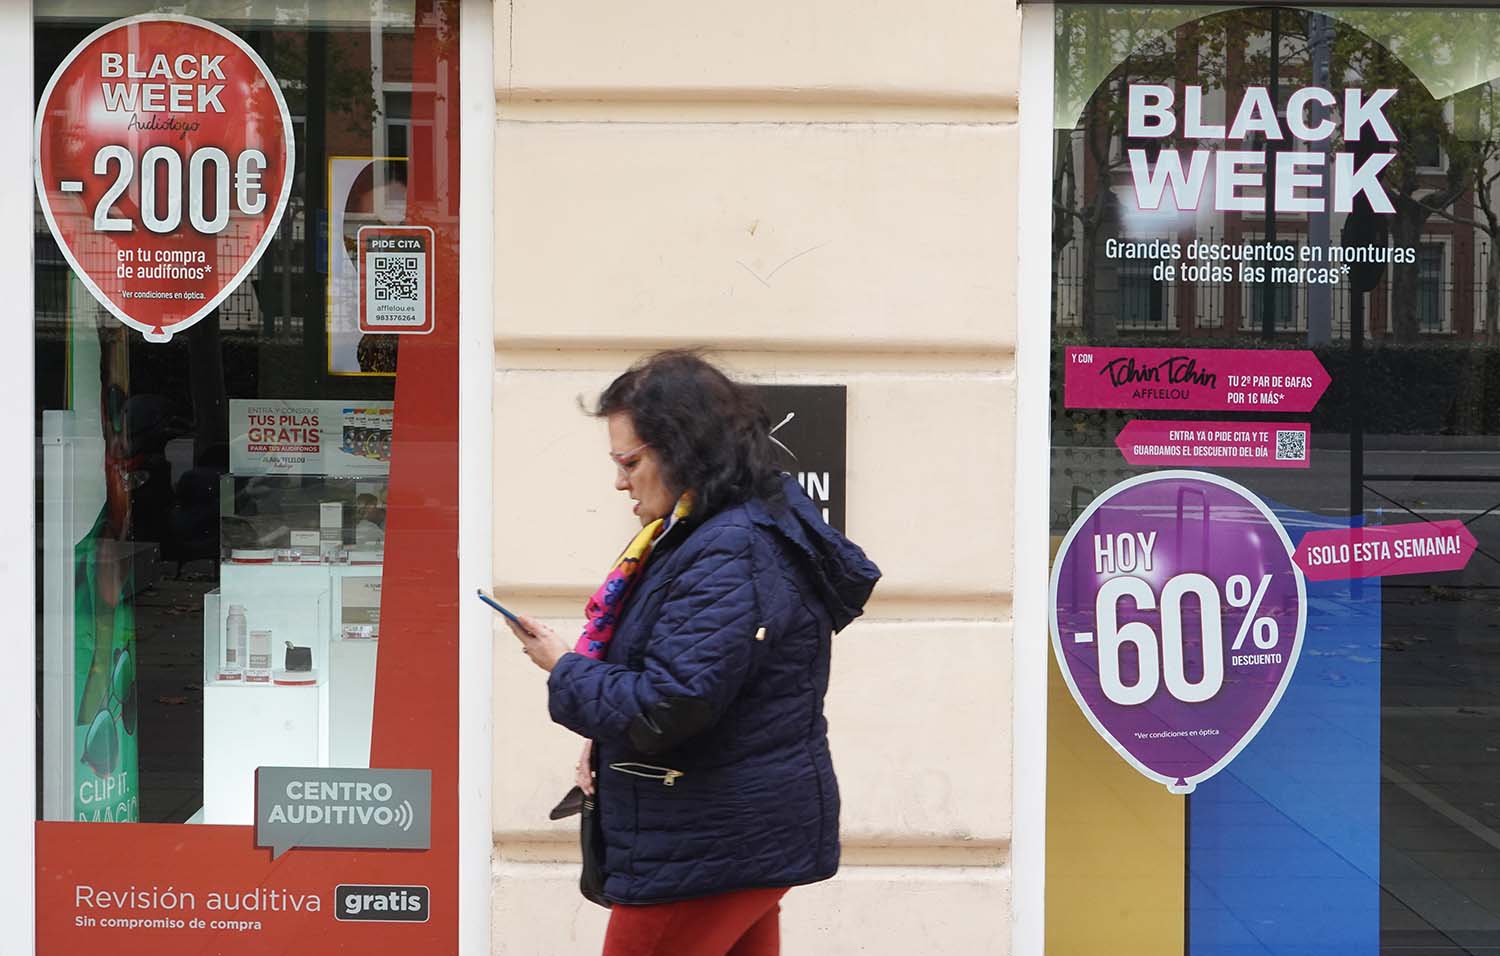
825, 193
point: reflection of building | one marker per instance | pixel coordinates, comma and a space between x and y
829, 200
1444, 290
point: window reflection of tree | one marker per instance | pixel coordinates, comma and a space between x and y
1443, 177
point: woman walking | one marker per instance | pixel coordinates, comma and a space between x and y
701, 671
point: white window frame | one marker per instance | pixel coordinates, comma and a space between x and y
17, 488
17, 520
476, 478
1030, 644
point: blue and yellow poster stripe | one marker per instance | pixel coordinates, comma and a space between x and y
1276, 855
1115, 845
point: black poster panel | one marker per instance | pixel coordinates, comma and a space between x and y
810, 427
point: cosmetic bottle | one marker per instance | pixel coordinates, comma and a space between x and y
235, 635
258, 660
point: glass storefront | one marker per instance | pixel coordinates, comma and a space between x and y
246, 261
1275, 490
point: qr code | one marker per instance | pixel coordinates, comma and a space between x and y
1291, 446
396, 279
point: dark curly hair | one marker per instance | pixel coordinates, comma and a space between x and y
712, 434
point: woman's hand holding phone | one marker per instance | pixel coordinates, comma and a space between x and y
538, 641
496, 605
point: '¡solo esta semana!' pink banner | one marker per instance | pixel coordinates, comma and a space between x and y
1416, 548
1215, 380
1214, 444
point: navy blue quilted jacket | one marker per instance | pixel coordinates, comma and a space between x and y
707, 713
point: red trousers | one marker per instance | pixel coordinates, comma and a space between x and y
743, 923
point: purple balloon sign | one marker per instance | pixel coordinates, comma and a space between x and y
1177, 620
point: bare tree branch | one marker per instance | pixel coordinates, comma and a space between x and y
1451, 217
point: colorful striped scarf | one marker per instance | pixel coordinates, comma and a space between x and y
604, 609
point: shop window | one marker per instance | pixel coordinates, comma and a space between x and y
235, 317
1330, 792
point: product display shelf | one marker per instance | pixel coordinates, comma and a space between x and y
351, 662
327, 723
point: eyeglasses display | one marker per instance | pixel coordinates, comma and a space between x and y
115, 720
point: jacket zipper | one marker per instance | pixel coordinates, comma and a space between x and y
666, 775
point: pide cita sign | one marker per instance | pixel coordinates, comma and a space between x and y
163, 163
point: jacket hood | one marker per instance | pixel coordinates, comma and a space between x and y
844, 576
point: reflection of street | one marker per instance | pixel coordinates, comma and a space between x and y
1440, 763
1440, 678
1400, 485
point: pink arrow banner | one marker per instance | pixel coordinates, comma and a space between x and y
1213, 380
1214, 444
1420, 547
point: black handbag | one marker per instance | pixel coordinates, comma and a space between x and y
590, 842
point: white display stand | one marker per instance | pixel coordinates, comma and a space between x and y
351, 702
245, 725
351, 680
291, 600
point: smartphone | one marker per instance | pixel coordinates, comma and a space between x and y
509, 615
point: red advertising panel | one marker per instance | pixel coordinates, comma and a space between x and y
163, 164
286, 705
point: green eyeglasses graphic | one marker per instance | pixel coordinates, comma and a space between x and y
101, 742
